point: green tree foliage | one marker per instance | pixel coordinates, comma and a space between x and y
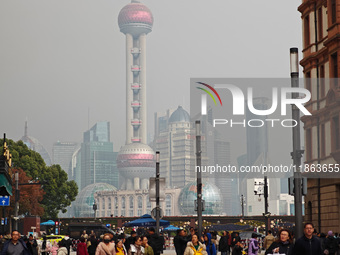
59, 192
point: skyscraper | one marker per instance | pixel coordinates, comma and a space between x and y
136, 159
97, 157
62, 155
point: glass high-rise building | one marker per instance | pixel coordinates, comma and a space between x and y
98, 161
62, 155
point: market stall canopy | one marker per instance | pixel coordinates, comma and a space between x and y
146, 221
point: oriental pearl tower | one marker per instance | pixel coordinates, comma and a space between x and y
135, 160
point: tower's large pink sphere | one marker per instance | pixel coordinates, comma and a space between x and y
135, 18
136, 160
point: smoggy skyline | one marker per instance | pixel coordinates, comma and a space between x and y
62, 63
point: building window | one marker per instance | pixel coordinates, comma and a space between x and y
333, 8
250, 208
310, 211
322, 82
334, 68
308, 144
131, 206
115, 206
168, 205
336, 134
148, 204
323, 141
308, 82
320, 28
140, 206
306, 31
123, 206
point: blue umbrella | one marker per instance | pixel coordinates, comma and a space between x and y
146, 221
48, 223
171, 228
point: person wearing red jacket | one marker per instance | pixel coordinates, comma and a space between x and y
81, 247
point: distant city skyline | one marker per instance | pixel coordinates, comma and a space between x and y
62, 64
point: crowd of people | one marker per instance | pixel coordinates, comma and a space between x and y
107, 244
283, 243
150, 243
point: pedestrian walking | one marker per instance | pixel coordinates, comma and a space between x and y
254, 245
147, 248
32, 245
120, 248
194, 247
136, 248
235, 239
54, 248
81, 247
209, 245
15, 246
155, 241
331, 244
86, 236
106, 247
180, 242
308, 244
268, 240
130, 240
62, 248
224, 244
284, 244
92, 244
237, 249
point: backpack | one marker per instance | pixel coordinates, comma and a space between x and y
199, 252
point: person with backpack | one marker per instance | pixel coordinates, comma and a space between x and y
194, 247
210, 246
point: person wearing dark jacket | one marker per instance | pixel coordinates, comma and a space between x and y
93, 245
224, 247
130, 240
308, 244
32, 245
15, 246
238, 248
331, 244
155, 241
234, 240
180, 242
284, 245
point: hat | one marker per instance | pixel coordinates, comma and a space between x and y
330, 233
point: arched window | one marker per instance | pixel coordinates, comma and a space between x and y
168, 205
131, 206
148, 205
140, 206
115, 206
310, 211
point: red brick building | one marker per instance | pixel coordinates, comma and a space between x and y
321, 48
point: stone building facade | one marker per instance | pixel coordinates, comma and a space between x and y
320, 62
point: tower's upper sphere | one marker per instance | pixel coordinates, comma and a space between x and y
135, 18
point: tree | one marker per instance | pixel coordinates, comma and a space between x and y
30, 196
59, 192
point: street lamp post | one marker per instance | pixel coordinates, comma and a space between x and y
16, 206
242, 205
157, 193
297, 152
199, 177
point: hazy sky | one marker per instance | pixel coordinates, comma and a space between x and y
60, 58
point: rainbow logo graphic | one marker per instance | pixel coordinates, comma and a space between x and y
204, 97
